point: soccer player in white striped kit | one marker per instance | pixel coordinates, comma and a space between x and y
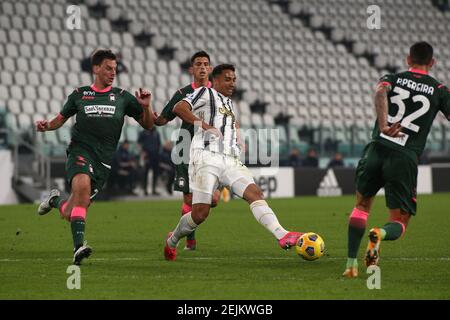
214, 160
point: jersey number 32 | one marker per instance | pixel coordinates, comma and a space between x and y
398, 99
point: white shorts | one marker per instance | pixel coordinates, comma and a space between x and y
208, 170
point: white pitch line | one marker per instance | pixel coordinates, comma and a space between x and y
444, 259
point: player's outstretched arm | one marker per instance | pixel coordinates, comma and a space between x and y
381, 108
160, 120
183, 110
445, 105
55, 123
167, 113
148, 118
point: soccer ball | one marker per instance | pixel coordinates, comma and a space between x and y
310, 246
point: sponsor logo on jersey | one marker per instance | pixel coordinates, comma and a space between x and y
100, 110
88, 95
329, 185
224, 110
191, 95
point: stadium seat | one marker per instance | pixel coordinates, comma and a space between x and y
245, 121
12, 50
257, 120
56, 24
13, 106
28, 107
24, 122
91, 38
64, 134
9, 64
16, 92
128, 39
20, 78
44, 92
104, 25
36, 50
46, 78
55, 106
57, 93
25, 50
6, 78
42, 107
4, 94
61, 65
85, 79
136, 81
8, 8
268, 121
33, 79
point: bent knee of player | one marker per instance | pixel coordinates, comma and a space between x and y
82, 199
401, 217
200, 212
203, 214
81, 190
81, 184
253, 193
201, 205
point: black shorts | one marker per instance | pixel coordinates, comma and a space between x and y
182, 178
79, 160
382, 166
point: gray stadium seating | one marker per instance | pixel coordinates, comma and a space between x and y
293, 67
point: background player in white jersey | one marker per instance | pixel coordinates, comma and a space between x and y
215, 160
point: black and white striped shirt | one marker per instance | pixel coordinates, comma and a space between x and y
218, 111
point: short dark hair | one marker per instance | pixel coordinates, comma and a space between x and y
99, 55
200, 54
217, 71
421, 53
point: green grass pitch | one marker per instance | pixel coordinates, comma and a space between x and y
236, 257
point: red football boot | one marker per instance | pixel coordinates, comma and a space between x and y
289, 240
170, 253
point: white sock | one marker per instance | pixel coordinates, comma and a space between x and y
184, 227
267, 218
